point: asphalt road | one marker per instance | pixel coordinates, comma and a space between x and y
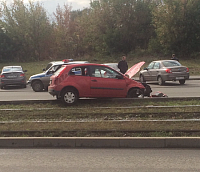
172, 89
100, 160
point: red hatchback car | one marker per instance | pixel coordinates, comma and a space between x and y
72, 82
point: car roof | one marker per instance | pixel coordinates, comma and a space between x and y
56, 62
77, 62
86, 64
73, 62
163, 60
11, 66
110, 63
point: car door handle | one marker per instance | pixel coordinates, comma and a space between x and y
94, 80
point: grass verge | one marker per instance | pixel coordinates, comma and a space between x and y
103, 118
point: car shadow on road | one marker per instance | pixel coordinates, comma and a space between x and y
169, 83
13, 87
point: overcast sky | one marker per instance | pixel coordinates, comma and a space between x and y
50, 5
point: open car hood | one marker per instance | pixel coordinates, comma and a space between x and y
134, 69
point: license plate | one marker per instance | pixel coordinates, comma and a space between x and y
12, 76
179, 77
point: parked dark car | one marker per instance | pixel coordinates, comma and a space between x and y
40, 82
164, 70
72, 82
13, 75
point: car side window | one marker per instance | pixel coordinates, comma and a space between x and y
79, 71
48, 66
151, 65
53, 69
103, 72
156, 65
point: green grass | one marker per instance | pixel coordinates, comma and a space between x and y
105, 103
104, 118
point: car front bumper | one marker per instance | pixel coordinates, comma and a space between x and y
53, 92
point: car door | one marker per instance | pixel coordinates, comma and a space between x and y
46, 79
147, 73
154, 71
80, 79
106, 82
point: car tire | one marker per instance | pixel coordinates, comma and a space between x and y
24, 86
142, 78
37, 86
182, 81
161, 81
69, 96
135, 93
2, 87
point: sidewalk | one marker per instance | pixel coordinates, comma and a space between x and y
194, 78
100, 142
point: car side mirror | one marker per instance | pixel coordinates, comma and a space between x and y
43, 69
145, 68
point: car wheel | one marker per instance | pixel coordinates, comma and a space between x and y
37, 86
2, 87
142, 78
160, 81
135, 93
24, 86
182, 81
69, 97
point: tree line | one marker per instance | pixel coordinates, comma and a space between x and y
107, 27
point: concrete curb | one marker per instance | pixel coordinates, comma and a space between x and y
100, 142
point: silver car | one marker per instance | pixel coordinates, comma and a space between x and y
164, 70
113, 65
12, 75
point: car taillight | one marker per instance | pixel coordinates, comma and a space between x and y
2, 76
21, 75
187, 69
168, 71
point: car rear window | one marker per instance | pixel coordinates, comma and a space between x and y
171, 63
12, 69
